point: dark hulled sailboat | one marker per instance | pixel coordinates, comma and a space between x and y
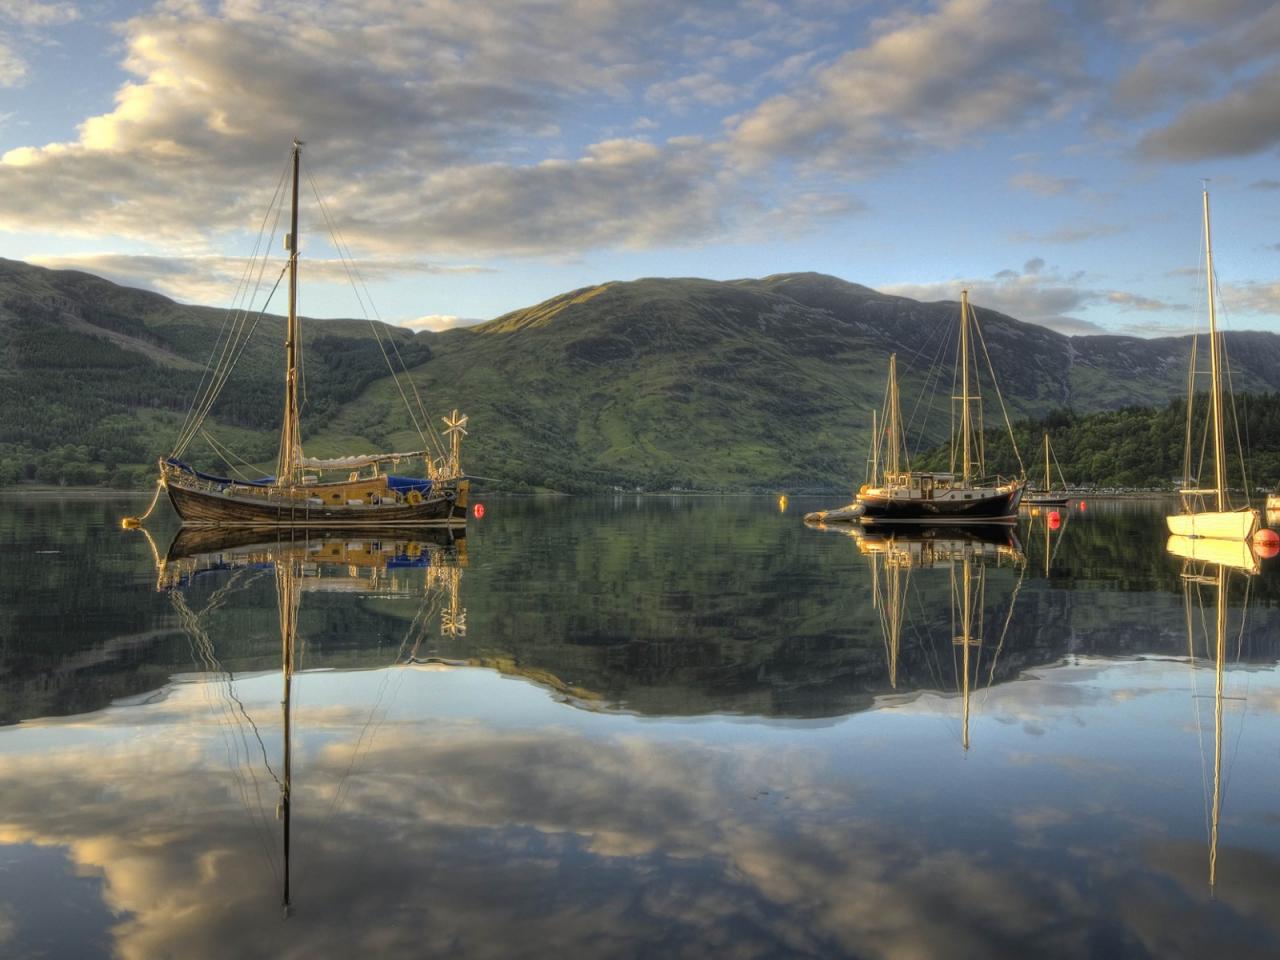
306, 491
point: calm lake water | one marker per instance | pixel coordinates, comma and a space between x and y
635, 727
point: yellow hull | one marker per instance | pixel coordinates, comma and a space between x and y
1232, 525
1236, 554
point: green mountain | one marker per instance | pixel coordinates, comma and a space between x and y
658, 383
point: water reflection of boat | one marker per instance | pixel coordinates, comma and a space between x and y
896, 553
426, 565
1202, 579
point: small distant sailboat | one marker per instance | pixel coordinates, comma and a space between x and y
1206, 511
1045, 496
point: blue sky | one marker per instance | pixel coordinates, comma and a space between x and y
479, 157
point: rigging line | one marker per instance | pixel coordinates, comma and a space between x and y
932, 376
999, 397
233, 347
1241, 443
416, 625
199, 640
244, 343
225, 454
231, 354
352, 275
241, 286
224, 450
238, 319
1013, 600
345, 251
205, 644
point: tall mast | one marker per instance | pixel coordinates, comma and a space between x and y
287, 596
1215, 371
287, 464
893, 426
874, 479
1046, 461
965, 427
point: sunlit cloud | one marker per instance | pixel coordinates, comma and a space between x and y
965, 68
215, 279
440, 321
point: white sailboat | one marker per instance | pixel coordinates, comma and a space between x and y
1206, 511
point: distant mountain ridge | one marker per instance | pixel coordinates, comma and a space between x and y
658, 383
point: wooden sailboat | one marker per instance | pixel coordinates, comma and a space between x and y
1206, 511
1045, 497
904, 495
305, 491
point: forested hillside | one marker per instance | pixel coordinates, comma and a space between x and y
657, 383
1137, 447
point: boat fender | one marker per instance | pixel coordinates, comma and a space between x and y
414, 497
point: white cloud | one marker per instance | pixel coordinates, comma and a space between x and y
1071, 234
1044, 184
1036, 295
966, 68
34, 13
26, 16
1215, 65
1245, 121
440, 321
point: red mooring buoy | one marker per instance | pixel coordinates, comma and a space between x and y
478, 511
1266, 543
1055, 519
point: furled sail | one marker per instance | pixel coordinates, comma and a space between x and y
362, 460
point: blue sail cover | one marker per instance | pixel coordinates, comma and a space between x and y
405, 484
211, 478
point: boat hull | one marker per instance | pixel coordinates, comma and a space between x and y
447, 505
1045, 501
999, 506
1227, 525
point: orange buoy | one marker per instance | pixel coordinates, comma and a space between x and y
1083, 505
1055, 519
478, 511
1266, 543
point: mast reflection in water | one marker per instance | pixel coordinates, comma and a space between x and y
425, 565
965, 553
635, 727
